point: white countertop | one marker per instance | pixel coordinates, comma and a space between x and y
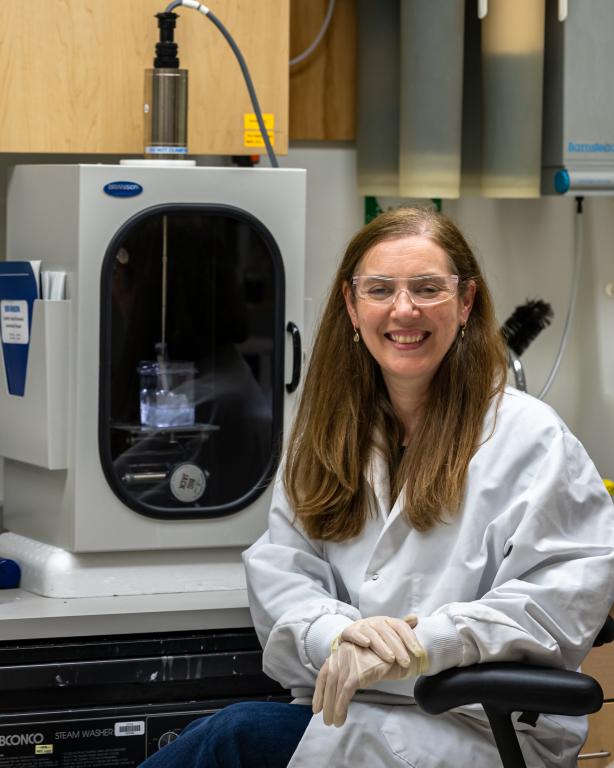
25, 615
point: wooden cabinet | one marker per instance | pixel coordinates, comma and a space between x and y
598, 752
72, 74
323, 87
600, 664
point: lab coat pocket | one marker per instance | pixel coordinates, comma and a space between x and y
419, 740
555, 741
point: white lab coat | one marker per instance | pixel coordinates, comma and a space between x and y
525, 572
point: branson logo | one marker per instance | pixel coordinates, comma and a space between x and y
123, 188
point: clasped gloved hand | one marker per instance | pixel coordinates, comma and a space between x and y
350, 667
391, 639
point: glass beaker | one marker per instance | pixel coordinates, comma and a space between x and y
166, 393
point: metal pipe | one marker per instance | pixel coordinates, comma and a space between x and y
515, 364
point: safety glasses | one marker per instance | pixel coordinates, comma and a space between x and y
422, 290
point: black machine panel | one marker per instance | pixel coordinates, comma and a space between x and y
109, 702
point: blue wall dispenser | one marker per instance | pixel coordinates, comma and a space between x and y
578, 126
18, 291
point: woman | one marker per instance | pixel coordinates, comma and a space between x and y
425, 517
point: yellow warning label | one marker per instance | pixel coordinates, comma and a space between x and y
251, 132
43, 749
254, 139
250, 123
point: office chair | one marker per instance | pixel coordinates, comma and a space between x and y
503, 688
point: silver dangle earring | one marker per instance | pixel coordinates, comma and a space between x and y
356, 335
462, 330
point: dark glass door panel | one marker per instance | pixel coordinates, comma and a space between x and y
191, 360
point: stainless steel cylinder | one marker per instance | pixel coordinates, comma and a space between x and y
166, 112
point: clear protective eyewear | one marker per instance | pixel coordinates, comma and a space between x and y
422, 290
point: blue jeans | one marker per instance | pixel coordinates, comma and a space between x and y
252, 734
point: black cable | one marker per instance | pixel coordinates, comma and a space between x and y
247, 77
250, 87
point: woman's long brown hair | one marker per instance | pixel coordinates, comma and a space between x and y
345, 404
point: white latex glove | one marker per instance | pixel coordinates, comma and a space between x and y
390, 638
350, 667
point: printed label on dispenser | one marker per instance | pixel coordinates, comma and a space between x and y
18, 292
15, 324
251, 130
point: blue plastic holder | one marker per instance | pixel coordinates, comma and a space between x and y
10, 574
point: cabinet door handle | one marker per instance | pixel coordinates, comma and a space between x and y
593, 755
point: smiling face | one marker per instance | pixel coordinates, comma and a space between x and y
408, 342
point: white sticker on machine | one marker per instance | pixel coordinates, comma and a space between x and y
133, 728
188, 482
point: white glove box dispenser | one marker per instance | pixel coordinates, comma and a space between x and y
33, 428
209, 261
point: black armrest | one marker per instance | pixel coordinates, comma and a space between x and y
510, 687
606, 633
505, 688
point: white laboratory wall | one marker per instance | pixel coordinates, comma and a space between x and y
334, 212
526, 248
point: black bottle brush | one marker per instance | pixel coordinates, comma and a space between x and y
525, 323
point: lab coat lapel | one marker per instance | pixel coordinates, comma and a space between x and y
378, 477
